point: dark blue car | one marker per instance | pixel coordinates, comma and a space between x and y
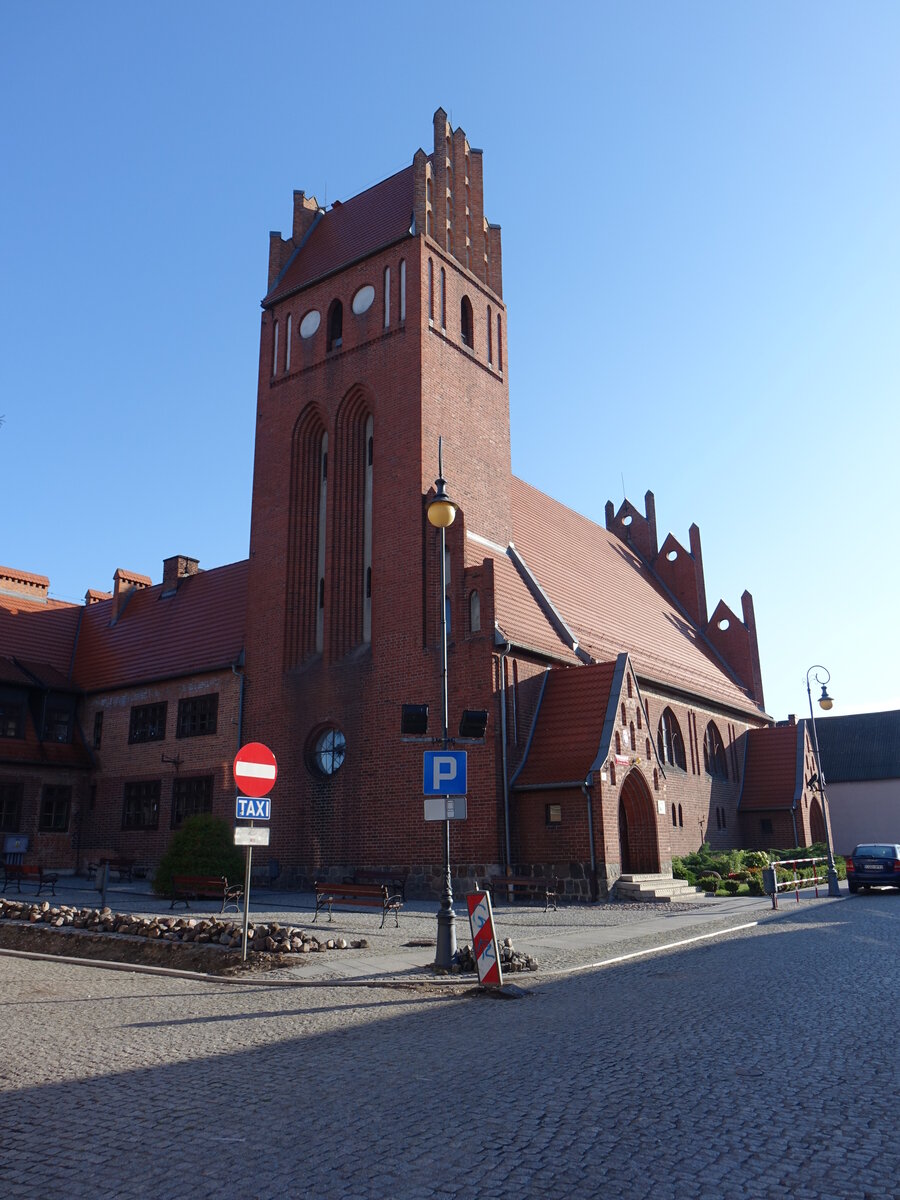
874, 864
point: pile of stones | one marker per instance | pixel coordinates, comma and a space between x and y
268, 938
510, 959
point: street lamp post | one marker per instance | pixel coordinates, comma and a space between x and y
441, 513
825, 703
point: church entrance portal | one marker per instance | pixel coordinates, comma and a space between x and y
638, 844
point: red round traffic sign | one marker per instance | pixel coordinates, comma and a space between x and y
255, 769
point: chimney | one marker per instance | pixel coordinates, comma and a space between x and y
93, 596
124, 583
178, 567
23, 585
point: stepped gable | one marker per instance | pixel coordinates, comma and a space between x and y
40, 632
349, 231
518, 618
568, 725
612, 601
770, 768
198, 627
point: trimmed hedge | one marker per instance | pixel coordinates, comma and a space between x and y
204, 845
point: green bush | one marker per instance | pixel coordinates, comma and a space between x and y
755, 858
731, 886
204, 845
754, 886
709, 883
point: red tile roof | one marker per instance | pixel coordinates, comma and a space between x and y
770, 768
518, 616
612, 602
40, 632
347, 232
199, 628
568, 725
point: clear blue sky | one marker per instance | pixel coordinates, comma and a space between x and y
699, 205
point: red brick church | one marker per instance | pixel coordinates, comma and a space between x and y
619, 710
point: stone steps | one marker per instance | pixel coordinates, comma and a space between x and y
653, 887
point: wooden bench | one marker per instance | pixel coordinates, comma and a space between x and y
206, 887
506, 886
396, 885
29, 873
124, 867
357, 895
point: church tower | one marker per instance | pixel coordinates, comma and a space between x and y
383, 329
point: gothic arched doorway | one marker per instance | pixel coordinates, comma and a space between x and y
816, 821
638, 843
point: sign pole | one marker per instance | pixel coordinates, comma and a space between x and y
246, 901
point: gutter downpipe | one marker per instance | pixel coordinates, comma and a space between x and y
587, 788
242, 677
502, 654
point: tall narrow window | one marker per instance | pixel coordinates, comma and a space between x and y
320, 559
669, 741
714, 753
466, 330
431, 291
402, 289
490, 337
335, 325
287, 344
443, 298
499, 344
474, 612
367, 531
275, 349
387, 296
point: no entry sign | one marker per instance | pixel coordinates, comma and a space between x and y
255, 769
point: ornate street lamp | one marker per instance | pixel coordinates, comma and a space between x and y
825, 703
441, 513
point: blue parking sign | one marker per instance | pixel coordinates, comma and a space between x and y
444, 773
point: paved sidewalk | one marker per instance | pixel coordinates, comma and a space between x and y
574, 936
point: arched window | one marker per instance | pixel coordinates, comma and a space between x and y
367, 528
466, 329
628, 685
674, 818
320, 555
680, 818
714, 753
387, 296
669, 742
431, 291
275, 349
618, 743
335, 325
443, 298
287, 344
490, 337
402, 289
474, 612
499, 344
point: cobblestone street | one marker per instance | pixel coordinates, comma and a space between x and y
761, 1065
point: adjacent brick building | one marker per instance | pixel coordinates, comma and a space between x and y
618, 708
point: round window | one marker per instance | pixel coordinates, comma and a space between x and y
328, 751
309, 324
364, 299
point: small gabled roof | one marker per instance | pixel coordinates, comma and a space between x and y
39, 632
773, 768
197, 628
612, 601
568, 726
348, 232
861, 747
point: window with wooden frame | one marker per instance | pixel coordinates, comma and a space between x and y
11, 807
553, 814
197, 715
190, 797
148, 722
56, 801
141, 809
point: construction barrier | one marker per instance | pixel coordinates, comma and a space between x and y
772, 884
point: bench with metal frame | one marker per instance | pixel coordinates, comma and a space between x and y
509, 886
395, 885
206, 887
357, 895
29, 873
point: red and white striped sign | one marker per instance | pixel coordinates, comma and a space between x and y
255, 769
484, 940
